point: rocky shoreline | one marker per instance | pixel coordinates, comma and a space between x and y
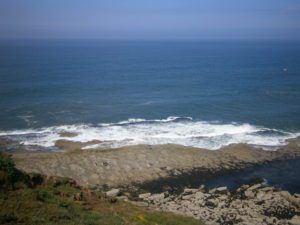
249, 204
125, 172
145, 163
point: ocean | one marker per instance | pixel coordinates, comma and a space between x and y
196, 93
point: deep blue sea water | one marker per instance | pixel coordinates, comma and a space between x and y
204, 94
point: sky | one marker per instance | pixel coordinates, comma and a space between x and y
150, 19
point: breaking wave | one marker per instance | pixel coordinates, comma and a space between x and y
175, 130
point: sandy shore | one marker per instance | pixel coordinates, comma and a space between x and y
142, 163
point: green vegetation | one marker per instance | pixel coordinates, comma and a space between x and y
33, 199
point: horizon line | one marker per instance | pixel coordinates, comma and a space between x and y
149, 39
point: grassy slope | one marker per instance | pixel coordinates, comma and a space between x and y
24, 199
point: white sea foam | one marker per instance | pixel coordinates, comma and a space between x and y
176, 130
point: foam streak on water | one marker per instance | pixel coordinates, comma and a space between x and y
175, 130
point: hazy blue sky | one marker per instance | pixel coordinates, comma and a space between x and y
151, 19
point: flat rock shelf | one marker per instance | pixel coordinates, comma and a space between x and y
143, 163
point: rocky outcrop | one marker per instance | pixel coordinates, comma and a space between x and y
255, 204
139, 164
113, 193
68, 134
73, 145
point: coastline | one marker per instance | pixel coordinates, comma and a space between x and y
150, 132
144, 163
157, 178
255, 203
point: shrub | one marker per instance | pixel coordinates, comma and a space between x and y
9, 175
8, 218
41, 195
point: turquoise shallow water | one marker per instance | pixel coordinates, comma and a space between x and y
220, 92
